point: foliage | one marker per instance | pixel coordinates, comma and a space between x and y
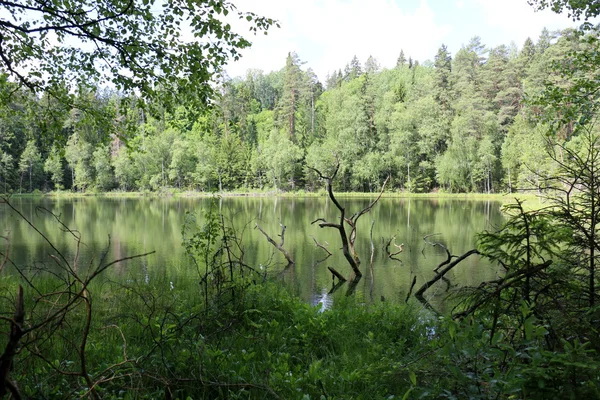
466, 123
576, 8
135, 45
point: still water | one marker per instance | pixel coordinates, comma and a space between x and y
140, 225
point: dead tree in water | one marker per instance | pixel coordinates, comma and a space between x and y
347, 239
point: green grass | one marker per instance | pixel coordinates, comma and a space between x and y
170, 192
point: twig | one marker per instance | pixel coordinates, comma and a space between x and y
434, 244
321, 246
278, 246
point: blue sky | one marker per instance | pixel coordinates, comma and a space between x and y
326, 34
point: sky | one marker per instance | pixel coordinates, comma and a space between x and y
326, 34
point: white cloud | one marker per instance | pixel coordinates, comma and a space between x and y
519, 20
328, 33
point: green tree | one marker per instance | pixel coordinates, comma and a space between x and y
78, 154
54, 166
134, 45
401, 61
30, 163
372, 65
6, 168
281, 157
576, 8
355, 69
105, 177
289, 104
183, 163
125, 169
443, 83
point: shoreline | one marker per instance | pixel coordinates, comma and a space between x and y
504, 197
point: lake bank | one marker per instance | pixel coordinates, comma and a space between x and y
504, 197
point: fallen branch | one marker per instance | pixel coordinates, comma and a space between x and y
278, 246
412, 286
336, 274
440, 275
5, 255
372, 245
336, 286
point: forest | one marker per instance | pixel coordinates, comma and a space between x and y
89, 317
468, 122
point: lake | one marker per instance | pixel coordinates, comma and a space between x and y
140, 225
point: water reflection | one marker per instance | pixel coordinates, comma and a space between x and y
140, 225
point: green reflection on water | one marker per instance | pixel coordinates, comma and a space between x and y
139, 225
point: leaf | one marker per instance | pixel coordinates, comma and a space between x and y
413, 378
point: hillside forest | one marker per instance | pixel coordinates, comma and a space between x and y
468, 122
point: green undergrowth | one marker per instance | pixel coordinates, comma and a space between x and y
153, 341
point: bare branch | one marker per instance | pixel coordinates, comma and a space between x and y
440, 275
438, 244
412, 286
321, 246
400, 247
278, 246
336, 274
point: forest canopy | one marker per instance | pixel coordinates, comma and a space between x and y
474, 121
459, 124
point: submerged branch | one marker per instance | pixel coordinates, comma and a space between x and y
440, 275
322, 246
278, 246
392, 254
336, 274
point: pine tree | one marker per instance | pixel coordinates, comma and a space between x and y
401, 59
544, 41
289, 103
443, 83
355, 68
528, 51
371, 66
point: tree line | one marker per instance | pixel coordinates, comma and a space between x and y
462, 123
